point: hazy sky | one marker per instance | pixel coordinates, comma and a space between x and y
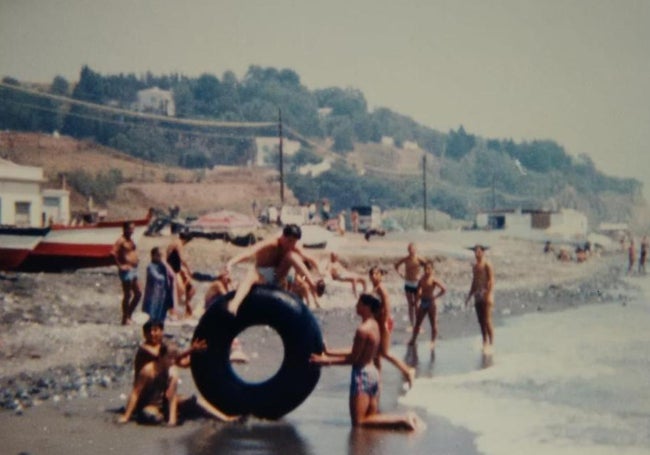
576, 71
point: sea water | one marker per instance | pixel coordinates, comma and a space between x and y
570, 382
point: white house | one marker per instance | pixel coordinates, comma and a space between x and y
315, 169
565, 223
410, 145
324, 112
156, 101
23, 202
268, 149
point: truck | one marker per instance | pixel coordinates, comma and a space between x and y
369, 217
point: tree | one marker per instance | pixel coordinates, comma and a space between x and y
229, 97
343, 137
206, 94
183, 99
459, 143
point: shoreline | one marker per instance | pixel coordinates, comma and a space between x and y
79, 339
52, 366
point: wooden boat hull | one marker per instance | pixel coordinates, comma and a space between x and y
70, 248
16, 244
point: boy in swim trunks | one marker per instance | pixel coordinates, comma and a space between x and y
412, 264
154, 397
482, 290
274, 257
126, 258
365, 379
386, 326
426, 288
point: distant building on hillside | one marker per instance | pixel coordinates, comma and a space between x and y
565, 223
388, 141
315, 169
156, 101
324, 112
410, 145
268, 150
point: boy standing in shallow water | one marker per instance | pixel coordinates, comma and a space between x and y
412, 265
386, 323
427, 297
482, 290
365, 378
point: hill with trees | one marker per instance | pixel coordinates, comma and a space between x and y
376, 155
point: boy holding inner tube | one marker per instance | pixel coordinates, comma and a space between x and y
365, 377
154, 396
274, 257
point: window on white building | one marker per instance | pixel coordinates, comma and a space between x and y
22, 217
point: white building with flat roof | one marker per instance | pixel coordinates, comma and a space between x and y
23, 202
565, 223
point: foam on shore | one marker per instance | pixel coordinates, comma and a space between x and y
562, 383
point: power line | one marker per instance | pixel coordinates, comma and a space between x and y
141, 115
127, 122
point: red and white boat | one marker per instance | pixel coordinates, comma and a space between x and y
74, 247
16, 244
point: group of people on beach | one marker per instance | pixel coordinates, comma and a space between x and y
281, 261
168, 285
643, 255
422, 290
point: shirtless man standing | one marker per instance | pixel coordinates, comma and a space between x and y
482, 290
365, 378
412, 265
427, 297
274, 258
126, 258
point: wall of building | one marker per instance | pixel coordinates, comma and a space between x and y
56, 206
15, 193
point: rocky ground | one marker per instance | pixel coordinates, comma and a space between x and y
60, 336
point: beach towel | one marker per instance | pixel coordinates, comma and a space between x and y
159, 291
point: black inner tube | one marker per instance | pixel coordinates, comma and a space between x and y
296, 378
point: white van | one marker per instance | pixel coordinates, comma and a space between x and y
369, 217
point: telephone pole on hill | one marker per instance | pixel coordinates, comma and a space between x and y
281, 157
424, 188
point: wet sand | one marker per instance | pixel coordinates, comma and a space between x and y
38, 342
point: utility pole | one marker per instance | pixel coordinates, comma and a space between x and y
424, 188
281, 157
494, 194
